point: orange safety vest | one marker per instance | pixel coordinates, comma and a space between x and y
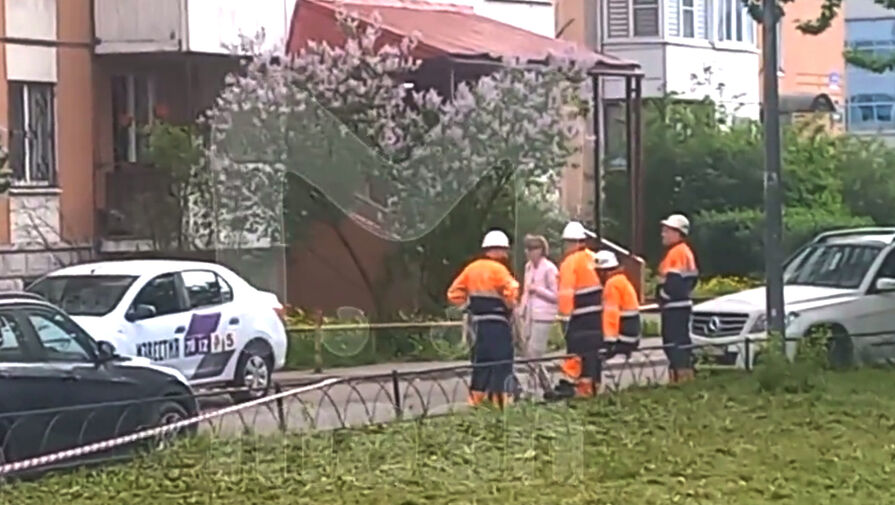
677, 277
621, 310
579, 286
488, 287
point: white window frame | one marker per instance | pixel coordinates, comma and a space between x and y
683, 9
28, 179
729, 11
655, 6
130, 81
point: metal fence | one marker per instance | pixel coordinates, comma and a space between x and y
37, 441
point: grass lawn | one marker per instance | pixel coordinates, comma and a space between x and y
719, 441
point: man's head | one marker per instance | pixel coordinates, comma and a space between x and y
606, 264
574, 236
496, 245
675, 228
535, 247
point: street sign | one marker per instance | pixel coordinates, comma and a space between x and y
833, 80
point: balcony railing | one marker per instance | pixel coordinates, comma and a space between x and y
871, 116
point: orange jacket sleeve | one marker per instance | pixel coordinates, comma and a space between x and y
565, 296
510, 289
611, 309
459, 290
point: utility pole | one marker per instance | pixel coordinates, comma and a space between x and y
773, 195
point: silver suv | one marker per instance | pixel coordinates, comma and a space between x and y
842, 282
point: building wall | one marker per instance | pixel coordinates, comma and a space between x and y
824, 71
871, 96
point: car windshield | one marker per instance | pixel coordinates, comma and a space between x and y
831, 265
84, 295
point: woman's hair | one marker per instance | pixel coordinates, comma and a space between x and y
537, 242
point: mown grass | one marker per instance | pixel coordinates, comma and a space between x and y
724, 440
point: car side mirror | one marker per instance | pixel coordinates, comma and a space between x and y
885, 284
140, 311
106, 352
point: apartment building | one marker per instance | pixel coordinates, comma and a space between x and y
689, 48
871, 96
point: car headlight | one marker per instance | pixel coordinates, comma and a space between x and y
761, 323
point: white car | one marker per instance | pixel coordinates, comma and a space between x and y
841, 283
199, 318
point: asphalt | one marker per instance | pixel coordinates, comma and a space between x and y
366, 394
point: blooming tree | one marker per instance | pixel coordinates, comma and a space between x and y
337, 118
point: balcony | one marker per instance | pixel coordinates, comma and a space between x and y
186, 26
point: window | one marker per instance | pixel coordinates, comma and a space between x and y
84, 295
841, 266
204, 288
733, 22
61, 339
161, 294
646, 18
133, 103
32, 133
688, 19
12, 347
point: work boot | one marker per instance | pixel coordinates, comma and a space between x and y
563, 390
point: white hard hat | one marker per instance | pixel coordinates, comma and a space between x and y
575, 231
606, 260
679, 222
496, 238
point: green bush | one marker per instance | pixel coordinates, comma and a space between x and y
718, 286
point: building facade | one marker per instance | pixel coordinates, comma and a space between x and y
871, 95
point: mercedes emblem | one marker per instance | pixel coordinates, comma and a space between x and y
714, 325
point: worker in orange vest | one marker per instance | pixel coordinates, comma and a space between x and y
621, 307
677, 279
579, 301
489, 291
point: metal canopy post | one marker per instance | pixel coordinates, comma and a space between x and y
629, 162
638, 244
598, 168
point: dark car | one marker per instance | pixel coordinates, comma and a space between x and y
59, 389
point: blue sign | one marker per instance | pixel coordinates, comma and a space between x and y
833, 80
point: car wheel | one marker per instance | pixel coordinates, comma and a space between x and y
840, 350
254, 372
170, 412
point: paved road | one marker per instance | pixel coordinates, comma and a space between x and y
358, 402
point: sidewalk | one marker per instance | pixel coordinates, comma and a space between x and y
638, 359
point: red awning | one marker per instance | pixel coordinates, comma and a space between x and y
443, 30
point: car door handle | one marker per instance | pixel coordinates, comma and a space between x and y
234, 320
180, 329
71, 377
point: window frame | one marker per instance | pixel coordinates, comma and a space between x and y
36, 350
220, 282
179, 294
132, 152
25, 175
726, 14
682, 26
654, 5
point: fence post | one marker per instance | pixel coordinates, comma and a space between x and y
396, 391
281, 411
318, 343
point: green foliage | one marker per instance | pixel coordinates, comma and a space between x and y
775, 372
714, 441
713, 172
723, 285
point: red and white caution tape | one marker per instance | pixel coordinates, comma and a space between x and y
76, 452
